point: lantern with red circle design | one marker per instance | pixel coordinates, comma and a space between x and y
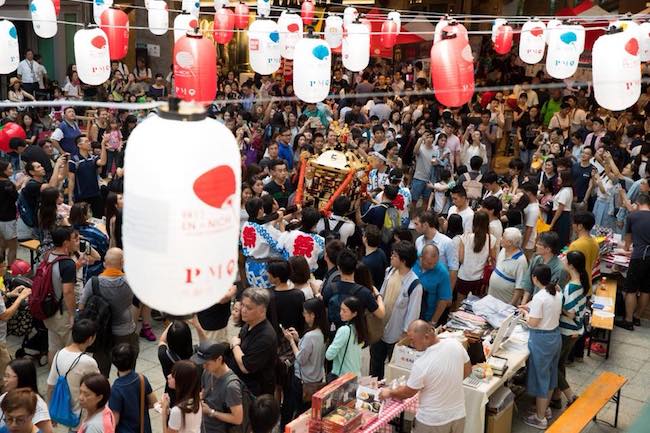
183, 23
115, 23
241, 16
452, 70
290, 33
389, 31
307, 12
195, 68
224, 23
334, 31
92, 56
532, 42
503, 39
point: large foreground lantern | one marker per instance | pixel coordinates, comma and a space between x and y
616, 71
290, 33
264, 46
307, 12
452, 70
356, 47
158, 17
43, 18
224, 23
171, 225
92, 56
563, 53
183, 23
312, 68
241, 16
10, 55
334, 31
532, 42
195, 68
115, 23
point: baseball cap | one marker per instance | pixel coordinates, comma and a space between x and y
207, 351
395, 174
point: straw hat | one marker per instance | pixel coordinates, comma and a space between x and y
13, 81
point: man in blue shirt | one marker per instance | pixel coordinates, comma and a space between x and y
284, 147
434, 278
83, 184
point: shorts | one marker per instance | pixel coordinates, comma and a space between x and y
419, 189
466, 287
638, 276
59, 331
8, 230
456, 426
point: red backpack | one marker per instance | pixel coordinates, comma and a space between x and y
43, 302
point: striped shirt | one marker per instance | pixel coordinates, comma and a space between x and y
573, 300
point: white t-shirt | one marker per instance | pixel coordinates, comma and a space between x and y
467, 215
564, 196
473, 263
42, 413
496, 229
438, 374
192, 420
64, 359
546, 307
531, 215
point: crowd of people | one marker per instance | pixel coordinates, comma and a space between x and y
471, 201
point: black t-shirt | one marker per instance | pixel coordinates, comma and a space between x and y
32, 193
279, 193
343, 287
638, 225
215, 317
289, 309
581, 176
36, 153
260, 347
377, 262
8, 197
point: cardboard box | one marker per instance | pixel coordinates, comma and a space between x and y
339, 392
403, 355
500, 422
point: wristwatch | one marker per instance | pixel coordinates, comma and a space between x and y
212, 412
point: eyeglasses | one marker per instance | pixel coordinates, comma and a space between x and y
18, 420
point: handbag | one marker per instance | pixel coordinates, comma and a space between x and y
489, 264
332, 376
309, 389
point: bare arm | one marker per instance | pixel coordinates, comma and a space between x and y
467, 369
68, 298
9, 312
440, 308
103, 156
71, 181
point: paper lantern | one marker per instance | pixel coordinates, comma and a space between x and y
158, 17
334, 31
115, 23
218, 4
179, 270
580, 32
388, 37
7, 132
10, 55
195, 68
191, 6
551, 26
644, 42
503, 40
495, 26
356, 47
183, 23
263, 8
57, 6
455, 28
532, 42
452, 70
350, 15
224, 23
562, 57
43, 18
616, 71
99, 6
92, 56
397, 18
2, 3
290, 33
307, 12
437, 31
312, 68
264, 46
241, 16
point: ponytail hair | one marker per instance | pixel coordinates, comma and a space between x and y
577, 260
543, 274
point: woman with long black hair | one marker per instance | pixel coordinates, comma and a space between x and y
185, 415
350, 338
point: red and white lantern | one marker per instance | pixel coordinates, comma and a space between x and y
241, 16
312, 68
334, 31
503, 39
452, 70
10, 56
437, 31
92, 56
495, 26
264, 46
183, 23
389, 31
290, 33
532, 42
356, 47
57, 6
616, 71
224, 23
115, 23
307, 12
195, 68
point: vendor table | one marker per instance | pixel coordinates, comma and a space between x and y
391, 409
604, 320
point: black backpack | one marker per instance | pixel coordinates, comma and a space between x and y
329, 233
99, 311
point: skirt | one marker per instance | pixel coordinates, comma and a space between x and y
257, 273
544, 347
601, 213
563, 228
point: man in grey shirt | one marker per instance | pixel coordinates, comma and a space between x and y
114, 288
548, 248
423, 152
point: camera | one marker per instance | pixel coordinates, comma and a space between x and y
84, 246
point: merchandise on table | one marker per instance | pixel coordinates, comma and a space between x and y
339, 392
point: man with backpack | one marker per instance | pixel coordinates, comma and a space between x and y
223, 400
69, 366
472, 180
108, 298
384, 216
337, 225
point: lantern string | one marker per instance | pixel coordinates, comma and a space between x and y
266, 99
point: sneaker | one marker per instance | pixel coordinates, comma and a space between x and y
147, 333
625, 324
533, 421
636, 321
548, 414
556, 403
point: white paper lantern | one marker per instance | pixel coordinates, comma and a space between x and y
334, 31
312, 68
172, 225
350, 14
43, 18
563, 56
158, 17
290, 33
532, 42
264, 46
192, 7
92, 56
2, 2
263, 8
397, 18
644, 42
616, 71
437, 31
218, 4
99, 6
10, 55
495, 26
580, 32
182, 23
356, 47
551, 26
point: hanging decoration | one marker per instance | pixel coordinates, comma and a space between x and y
389, 32
115, 23
158, 17
356, 47
10, 56
307, 12
334, 31
92, 56
99, 6
183, 23
563, 56
495, 26
8, 131
57, 7
312, 70
551, 26
195, 68
452, 70
397, 18
437, 31
532, 42
179, 271
224, 23
644, 42
43, 18
218, 4
193, 7
264, 46
580, 32
350, 14
290, 33
241, 16
616, 70
263, 8
503, 39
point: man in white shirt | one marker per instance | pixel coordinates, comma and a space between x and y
531, 215
27, 72
461, 207
438, 376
